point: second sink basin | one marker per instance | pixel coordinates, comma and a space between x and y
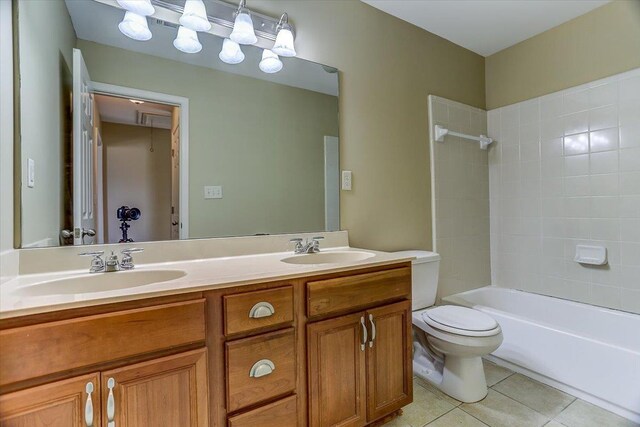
101, 282
328, 257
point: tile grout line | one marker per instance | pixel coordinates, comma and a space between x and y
440, 416
526, 406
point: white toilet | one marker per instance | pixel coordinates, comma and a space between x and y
449, 341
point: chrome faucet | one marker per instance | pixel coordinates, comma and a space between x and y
98, 265
310, 246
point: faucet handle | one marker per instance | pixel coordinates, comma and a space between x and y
316, 243
296, 240
127, 259
97, 264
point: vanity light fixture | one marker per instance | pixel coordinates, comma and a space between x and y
243, 32
194, 16
270, 62
187, 41
284, 40
135, 27
141, 7
231, 52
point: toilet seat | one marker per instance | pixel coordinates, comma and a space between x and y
460, 321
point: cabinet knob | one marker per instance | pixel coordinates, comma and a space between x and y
111, 403
261, 309
262, 368
364, 333
88, 407
373, 330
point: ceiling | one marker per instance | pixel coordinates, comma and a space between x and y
486, 26
114, 109
98, 22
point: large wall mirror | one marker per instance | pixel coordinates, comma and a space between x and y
124, 140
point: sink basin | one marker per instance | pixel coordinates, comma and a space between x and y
100, 282
328, 257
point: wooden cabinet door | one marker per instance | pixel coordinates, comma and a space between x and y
167, 392
337, 371
390, 372
74, 402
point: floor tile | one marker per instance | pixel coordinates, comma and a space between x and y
433, 389
498, 410
495, 373
457, 418
553, 423
425, 408
583, 414
537, 396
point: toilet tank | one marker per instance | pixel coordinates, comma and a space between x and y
424, 277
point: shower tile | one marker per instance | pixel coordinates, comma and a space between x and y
605, 117
498, 410
583, 414
457, 418
537, 396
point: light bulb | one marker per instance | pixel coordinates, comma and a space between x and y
231, 52
187, 41
284, 39
194, 16
270, 62
141, 7
135, 26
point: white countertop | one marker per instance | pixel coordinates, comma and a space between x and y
201, 275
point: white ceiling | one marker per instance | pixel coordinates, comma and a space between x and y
486, 26
98, 22
114, 109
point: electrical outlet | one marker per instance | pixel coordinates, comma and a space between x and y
346, 180
213, 192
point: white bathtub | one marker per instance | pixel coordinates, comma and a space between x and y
590, 352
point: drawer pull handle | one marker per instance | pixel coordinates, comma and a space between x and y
262, 368
88, 407
111, 403
364, 333
261, 309
373, 330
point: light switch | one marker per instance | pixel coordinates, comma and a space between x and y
346, 180
31, 173
213, 192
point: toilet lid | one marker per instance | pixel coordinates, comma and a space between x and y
457, 317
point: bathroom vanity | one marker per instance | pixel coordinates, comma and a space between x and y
327, 347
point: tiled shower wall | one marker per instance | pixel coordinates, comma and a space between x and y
460, 179
566, 171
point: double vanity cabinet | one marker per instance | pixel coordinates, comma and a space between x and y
321, 350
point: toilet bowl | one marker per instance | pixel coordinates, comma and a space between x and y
449, 341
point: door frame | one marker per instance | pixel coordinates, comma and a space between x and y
178, 101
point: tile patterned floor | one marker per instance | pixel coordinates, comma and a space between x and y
513, 401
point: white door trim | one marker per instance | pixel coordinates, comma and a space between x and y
183, 103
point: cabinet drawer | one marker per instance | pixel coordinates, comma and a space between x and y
259, 309
48, 348
354, 292
260, 368
278, 414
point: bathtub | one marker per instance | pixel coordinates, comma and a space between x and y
590, 352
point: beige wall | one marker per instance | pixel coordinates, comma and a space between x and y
601, 43
461, 182
262, 142
46, 42
388, 68
137, 177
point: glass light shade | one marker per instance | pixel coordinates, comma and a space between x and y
284, 43
231, 52
194, 16
141, 7
243, 31
270, 62
187, 41
135, 26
